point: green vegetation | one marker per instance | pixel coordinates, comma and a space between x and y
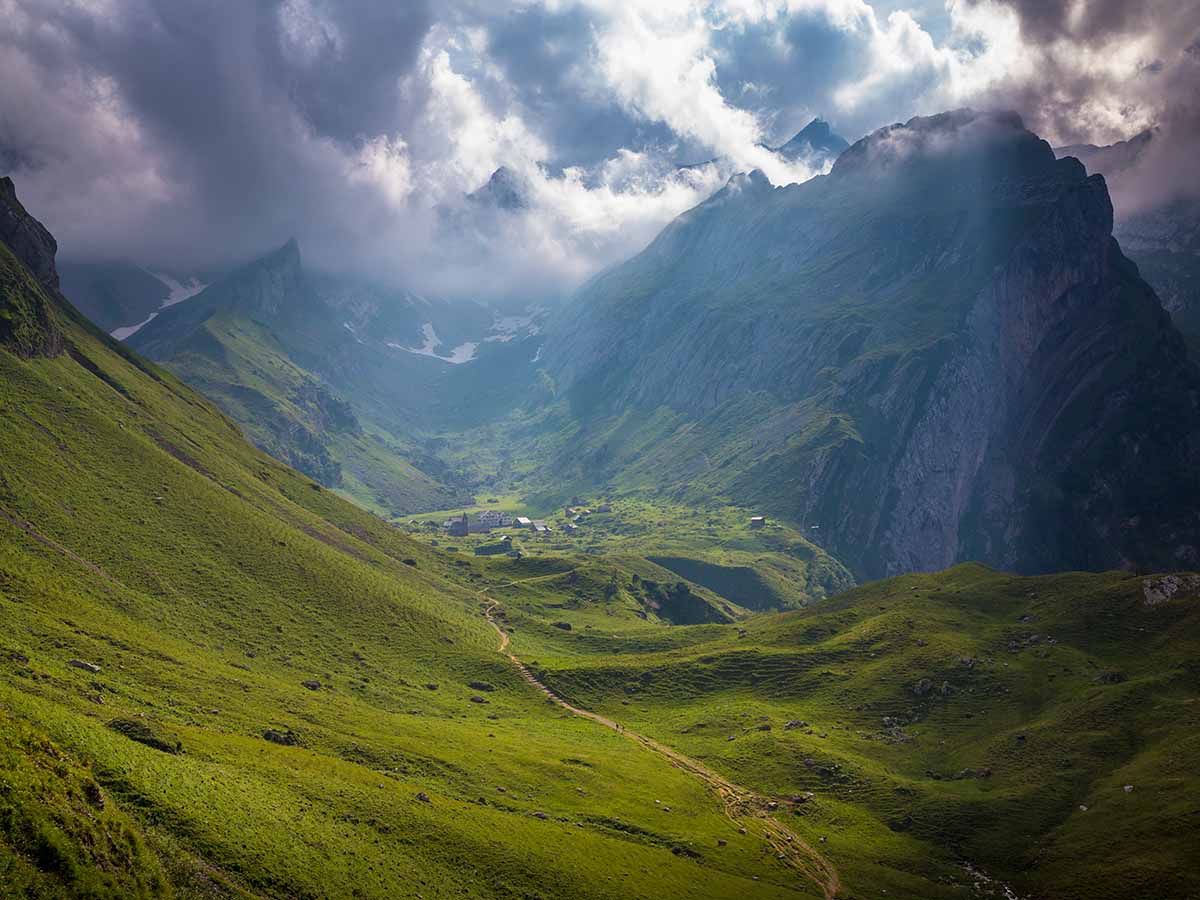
708, 545
995, 718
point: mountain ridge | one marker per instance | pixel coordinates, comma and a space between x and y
979, 239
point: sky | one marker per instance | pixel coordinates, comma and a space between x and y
192, 134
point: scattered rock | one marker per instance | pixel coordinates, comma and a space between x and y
794, 724
93, 794
431, 686
410, 562
286, 738
947, 689
481, 685
423, 797
19, 658
86, 666
477, 699
1110, 677
1129, 788
922, 687
721, 842
1169, 587
565, 626
312, 684
540, 815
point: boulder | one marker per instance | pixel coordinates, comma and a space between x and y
86, 666
312, 684
286, 738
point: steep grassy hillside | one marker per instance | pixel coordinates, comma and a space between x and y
279, 357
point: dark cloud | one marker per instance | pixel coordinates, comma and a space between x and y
194, 133
204, 121
1078, 103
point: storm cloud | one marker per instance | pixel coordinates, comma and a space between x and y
195, 133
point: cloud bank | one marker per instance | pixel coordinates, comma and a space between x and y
196, 133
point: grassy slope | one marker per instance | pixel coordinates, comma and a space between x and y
240, 366
141, 534
1104, 696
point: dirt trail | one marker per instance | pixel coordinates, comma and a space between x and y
743, 807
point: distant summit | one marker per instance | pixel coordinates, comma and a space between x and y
504, 190
816, 144
816, 141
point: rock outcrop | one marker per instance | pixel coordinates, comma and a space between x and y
26, 237
29, 325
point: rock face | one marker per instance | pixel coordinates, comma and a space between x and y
1163, 235
26, 237
28, 324
935, 353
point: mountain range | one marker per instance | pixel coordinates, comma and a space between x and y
937, 352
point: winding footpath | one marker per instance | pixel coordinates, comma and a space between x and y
743, 807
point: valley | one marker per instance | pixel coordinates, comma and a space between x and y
864, 567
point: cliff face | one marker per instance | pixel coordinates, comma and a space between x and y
1162, 236
935, 353
28, 325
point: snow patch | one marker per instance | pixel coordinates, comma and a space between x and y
505, 328
177, 293
461, 354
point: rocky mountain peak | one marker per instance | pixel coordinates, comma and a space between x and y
962, 143
505, 189
26, 237
30, 324
816, 139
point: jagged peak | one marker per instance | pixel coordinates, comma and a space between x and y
287, 254
505, 189
29, 324
815, 138
26, 237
